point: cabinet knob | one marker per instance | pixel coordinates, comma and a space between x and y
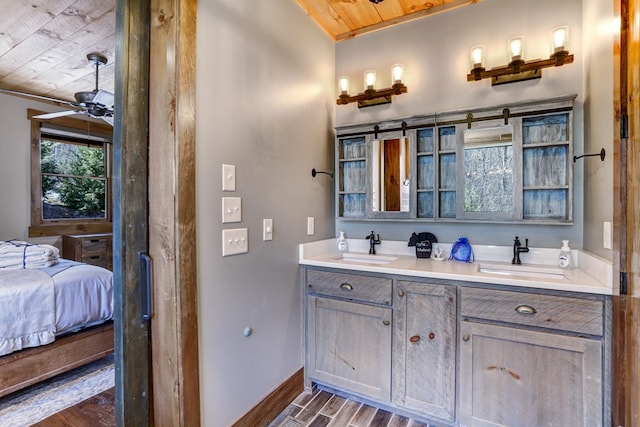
466, 337
400, 293
386, 322
346, 286
415, 338
525, 309
432, 336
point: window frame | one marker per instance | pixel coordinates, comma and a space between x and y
54, 227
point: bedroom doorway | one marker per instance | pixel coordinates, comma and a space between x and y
157, 372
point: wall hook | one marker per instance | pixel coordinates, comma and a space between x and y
601, 154
314, 172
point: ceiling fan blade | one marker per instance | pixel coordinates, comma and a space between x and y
58, 114
38, 97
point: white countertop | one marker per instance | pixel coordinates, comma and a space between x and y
591, 273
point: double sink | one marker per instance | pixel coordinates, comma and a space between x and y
489, 268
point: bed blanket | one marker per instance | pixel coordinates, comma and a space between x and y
27, 309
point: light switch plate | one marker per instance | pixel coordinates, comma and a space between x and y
606, 235
235, 241
311, 226
267, 229
228, 178
231, 209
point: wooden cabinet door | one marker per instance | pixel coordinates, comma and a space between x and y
514, 377
425, 340
349, 346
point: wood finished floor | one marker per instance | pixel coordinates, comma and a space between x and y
321, 408
317, 409
96, 411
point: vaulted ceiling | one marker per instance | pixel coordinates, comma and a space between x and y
44, 43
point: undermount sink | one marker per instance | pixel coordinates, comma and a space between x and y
525, 271
365, 258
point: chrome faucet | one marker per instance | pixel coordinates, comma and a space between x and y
372, 242
518, 249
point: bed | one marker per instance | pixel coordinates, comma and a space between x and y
51, 320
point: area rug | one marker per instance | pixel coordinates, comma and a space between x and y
33, 404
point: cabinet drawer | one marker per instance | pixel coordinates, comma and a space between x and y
350, 286
96, 246
99, 260
547, 311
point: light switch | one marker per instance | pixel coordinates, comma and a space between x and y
231, 209
234, 241
606, 235
267, 229
228, 178
311, 226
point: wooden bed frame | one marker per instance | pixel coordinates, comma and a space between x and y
27, 367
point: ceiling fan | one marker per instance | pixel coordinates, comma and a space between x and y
97, 103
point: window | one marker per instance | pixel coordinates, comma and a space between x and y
70, 176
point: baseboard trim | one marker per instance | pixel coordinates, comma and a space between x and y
269, 408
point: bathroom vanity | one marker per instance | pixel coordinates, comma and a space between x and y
461, 344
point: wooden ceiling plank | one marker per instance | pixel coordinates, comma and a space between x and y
325, 17
69, 55
356, 13
21, 19
81, 15
447, 6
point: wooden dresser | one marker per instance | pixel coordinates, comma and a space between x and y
88, 248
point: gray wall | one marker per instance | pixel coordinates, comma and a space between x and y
435, 53
15, 167
264, 104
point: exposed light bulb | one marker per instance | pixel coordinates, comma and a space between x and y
397, 73
516, 48
477, 56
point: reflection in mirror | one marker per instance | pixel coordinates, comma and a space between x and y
390, 175
488, 170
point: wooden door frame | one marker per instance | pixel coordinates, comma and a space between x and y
626, 307
172, 220
157, 380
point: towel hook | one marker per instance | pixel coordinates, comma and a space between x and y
314, 172
601, 154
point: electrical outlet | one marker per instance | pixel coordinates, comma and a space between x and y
234, 241
311, 226
267, 229
606, 235
228, 178
231, 209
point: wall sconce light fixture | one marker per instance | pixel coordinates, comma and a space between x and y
372, 96
518, 69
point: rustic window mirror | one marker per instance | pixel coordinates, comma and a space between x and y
506, 163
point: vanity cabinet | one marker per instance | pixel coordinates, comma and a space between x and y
425, 348
349, 332
460, 353
499, 164
530, 360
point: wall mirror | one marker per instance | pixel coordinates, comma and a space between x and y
488, 173
390, 172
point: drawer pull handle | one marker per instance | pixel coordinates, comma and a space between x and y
346, 286
386, 322
415, 338
400, 293
525, 309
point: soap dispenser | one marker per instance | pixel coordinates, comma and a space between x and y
342, 243
564, 259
